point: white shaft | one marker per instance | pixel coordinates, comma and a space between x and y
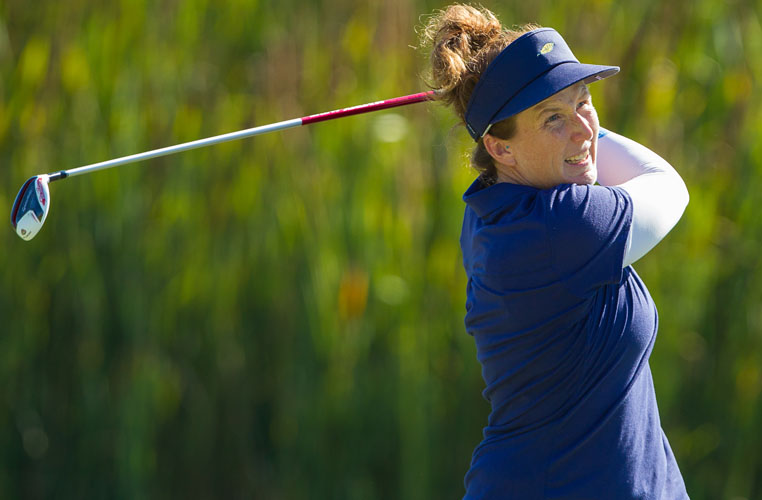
296, 122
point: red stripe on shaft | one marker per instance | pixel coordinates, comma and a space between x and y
373, 106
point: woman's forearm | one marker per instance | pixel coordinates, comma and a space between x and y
620, 159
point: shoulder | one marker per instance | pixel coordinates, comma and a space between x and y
561, 228
588, 227
582, 209
584, 200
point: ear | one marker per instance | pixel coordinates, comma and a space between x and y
499, 150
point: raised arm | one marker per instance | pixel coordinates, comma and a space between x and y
658, 193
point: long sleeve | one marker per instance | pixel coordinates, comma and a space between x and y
659, 195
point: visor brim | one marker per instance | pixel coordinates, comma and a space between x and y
557, 79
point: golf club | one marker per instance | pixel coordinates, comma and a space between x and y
32, 204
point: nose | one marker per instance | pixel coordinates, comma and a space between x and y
582, 128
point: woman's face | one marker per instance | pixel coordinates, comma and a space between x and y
555, 142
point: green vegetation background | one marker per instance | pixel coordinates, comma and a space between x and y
282, 317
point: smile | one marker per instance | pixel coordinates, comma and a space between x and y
580, 158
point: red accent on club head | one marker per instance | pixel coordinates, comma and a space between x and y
41, 192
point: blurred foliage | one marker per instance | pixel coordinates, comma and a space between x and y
282, 317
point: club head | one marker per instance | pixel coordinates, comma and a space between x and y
31, 207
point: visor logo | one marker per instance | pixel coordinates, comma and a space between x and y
546, 48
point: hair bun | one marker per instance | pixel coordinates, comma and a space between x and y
463, 40
457, 35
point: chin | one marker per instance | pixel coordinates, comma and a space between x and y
586, 178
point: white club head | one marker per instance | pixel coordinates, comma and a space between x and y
31, 207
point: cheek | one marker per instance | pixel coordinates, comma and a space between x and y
548, 153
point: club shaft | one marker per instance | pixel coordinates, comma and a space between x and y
186, 146
373, 106
241, 134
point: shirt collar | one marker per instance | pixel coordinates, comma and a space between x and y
485, 200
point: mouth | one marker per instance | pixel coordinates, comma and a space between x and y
579, 159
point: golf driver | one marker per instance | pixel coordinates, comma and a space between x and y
32, 204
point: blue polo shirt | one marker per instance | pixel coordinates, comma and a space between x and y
563, 333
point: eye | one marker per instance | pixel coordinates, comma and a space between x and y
553, 118
583, 103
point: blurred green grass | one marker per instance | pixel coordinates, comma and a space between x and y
282, 317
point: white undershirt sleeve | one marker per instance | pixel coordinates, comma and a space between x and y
658, 193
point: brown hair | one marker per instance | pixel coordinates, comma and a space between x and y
463, 41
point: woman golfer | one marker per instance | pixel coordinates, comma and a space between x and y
563, 325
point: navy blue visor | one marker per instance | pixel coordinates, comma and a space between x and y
532, 68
